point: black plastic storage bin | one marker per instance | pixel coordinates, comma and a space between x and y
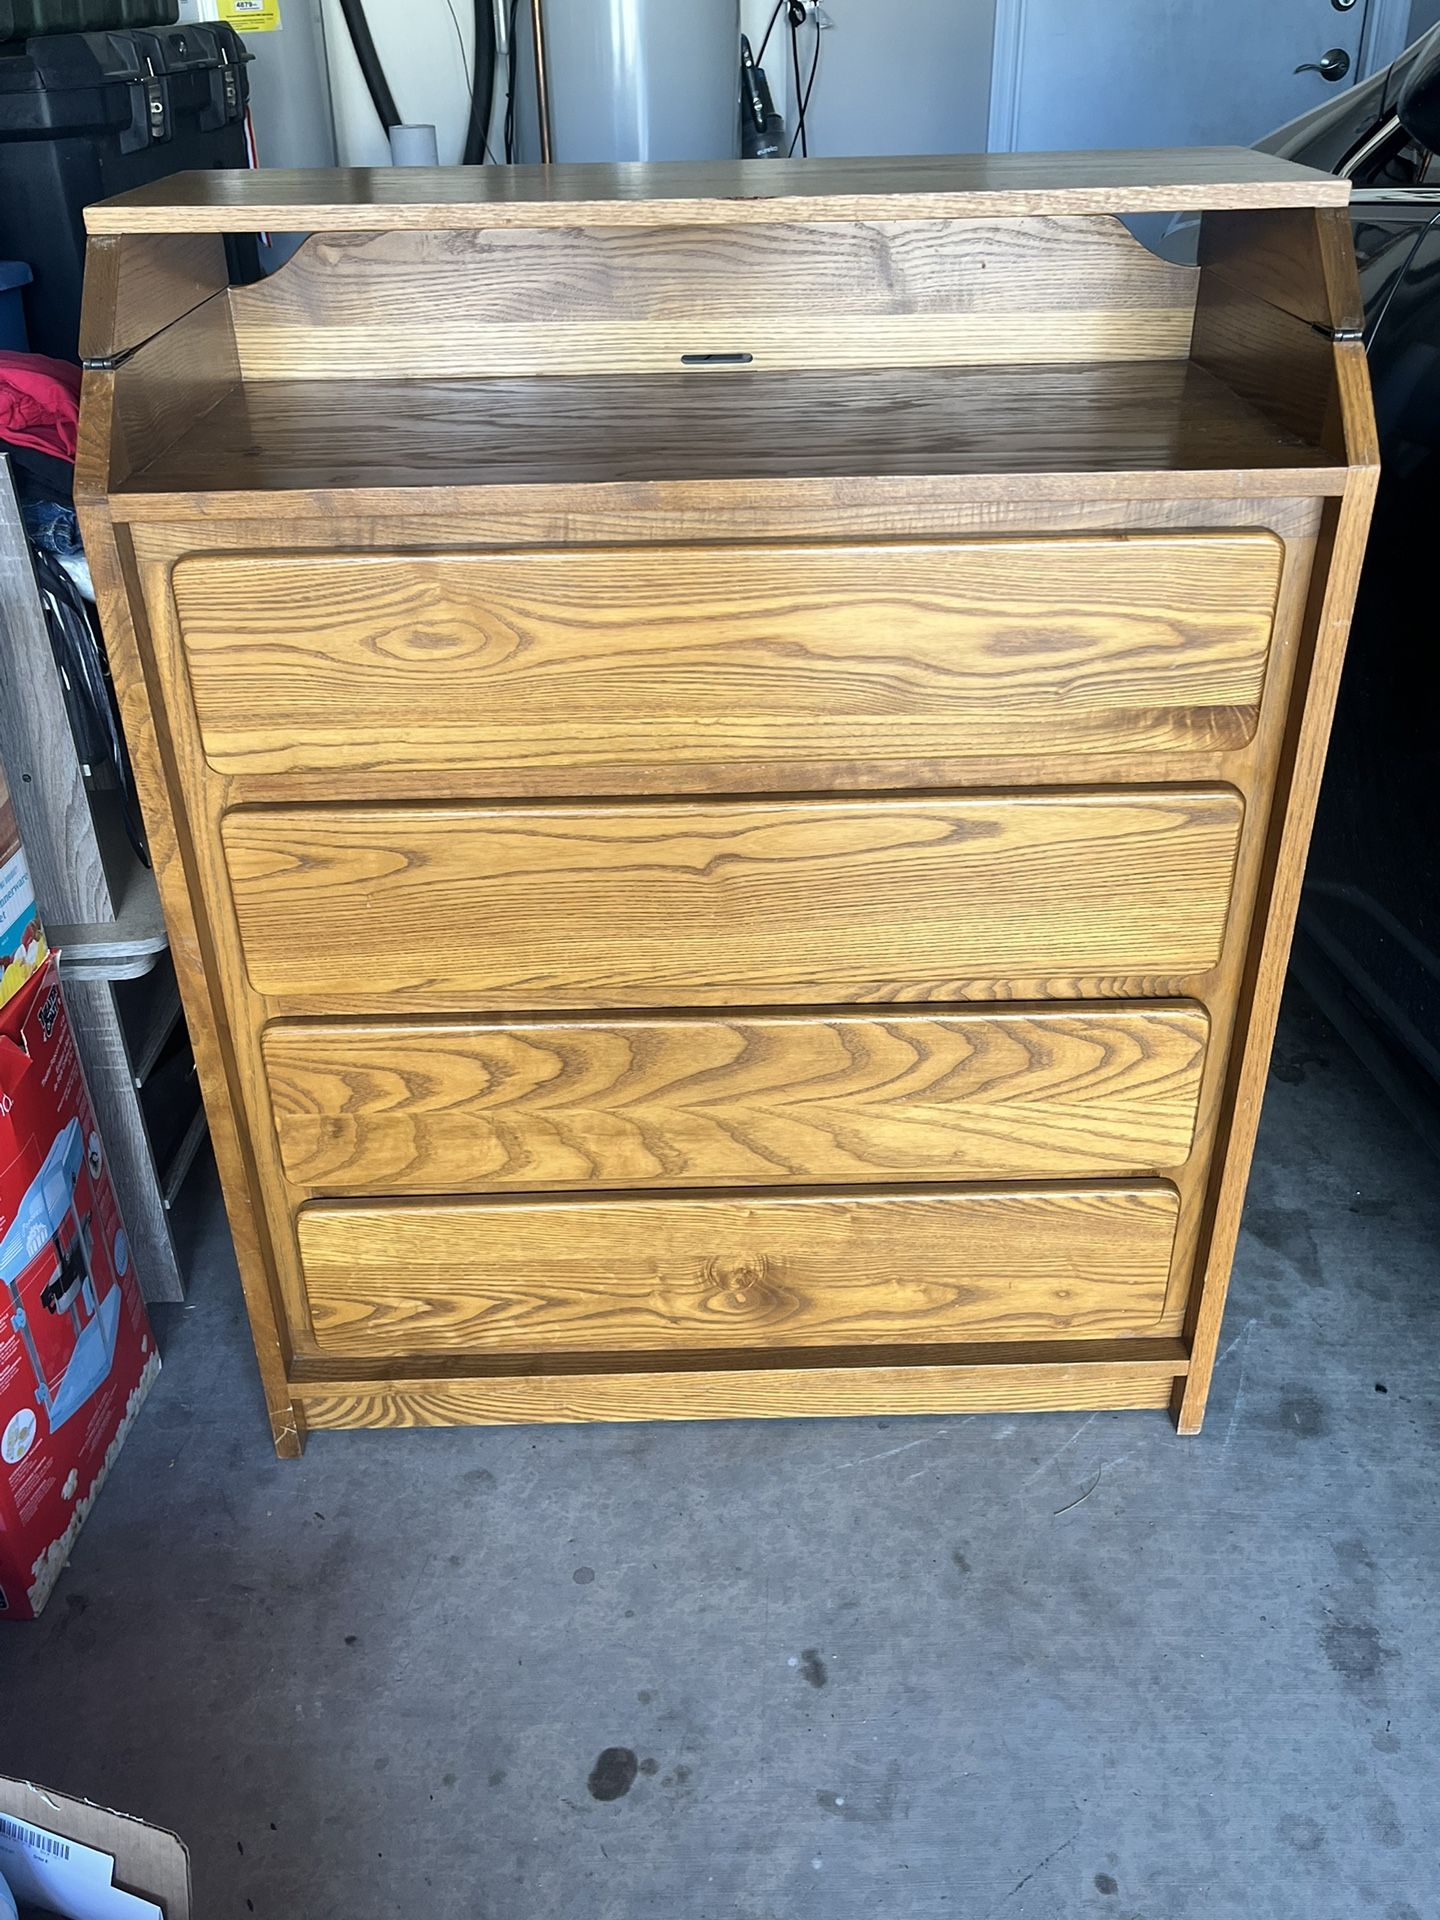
21, 17
85, 115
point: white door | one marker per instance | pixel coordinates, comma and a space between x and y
1175, 73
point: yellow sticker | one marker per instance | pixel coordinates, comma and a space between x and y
250, 16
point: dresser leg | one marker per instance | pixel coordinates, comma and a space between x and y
287, 1424
1187, 1403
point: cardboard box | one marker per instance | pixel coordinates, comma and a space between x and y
86, 1863
22, 938
77, 1356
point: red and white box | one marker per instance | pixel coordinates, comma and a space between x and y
77, 1356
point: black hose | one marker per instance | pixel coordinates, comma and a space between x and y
482, 93
358, 27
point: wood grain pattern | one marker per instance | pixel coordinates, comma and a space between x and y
1302, 262
202, 794
574, 671
721, 192
703, 905
1293, 522
886, 505
165, 388
274, 351
626, 300
135, 286
438, 1108
1026, 1380
647, 434
1276, 362
193, 940
670, 1275
725, 518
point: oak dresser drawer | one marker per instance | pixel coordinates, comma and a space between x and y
763, 1100
412, 909
594, 670
680, 1274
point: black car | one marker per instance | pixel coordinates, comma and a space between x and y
1368, 944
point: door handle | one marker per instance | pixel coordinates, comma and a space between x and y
1333, 65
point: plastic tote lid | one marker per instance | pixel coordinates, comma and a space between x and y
13, 273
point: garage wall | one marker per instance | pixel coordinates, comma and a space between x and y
425, 51
896, 76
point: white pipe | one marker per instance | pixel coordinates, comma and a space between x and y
414, 146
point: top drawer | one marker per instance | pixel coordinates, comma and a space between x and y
705, 668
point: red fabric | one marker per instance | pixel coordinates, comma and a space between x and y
39, 403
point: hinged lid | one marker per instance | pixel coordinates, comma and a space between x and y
716, 193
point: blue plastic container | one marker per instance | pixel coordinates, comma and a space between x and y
14, 275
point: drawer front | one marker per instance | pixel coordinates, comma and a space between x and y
433, 1108
666, 1274
426, 909
586, 671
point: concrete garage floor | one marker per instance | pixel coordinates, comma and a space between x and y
997, 1666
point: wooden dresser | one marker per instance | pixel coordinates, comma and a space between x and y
729, 751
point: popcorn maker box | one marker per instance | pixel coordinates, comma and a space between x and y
76, 1352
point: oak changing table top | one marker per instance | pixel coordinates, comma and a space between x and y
723, 192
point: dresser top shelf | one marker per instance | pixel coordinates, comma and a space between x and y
1155, 419
717, 193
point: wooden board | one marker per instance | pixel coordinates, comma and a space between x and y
1042, 1376
425, 909
135, 287
628, 300
1277, 363
169, 835
698, 1102
165, 388
668, 1275
576, 670
722, 192
1301, 262
649, 437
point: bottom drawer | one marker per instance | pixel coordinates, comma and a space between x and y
737, 1271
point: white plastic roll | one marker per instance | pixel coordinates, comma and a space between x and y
414, 147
